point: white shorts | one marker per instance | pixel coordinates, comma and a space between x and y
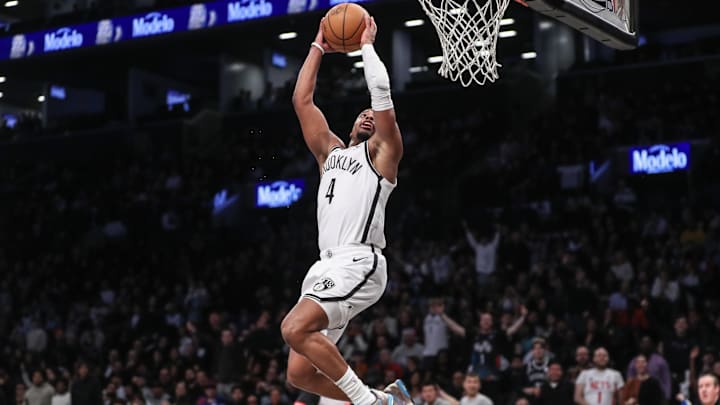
345, 281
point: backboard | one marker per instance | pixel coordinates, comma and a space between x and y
612, 22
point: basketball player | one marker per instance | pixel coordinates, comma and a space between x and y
599, 385
355, 183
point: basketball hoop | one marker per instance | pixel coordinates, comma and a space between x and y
468, 32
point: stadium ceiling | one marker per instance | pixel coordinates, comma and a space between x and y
194, 55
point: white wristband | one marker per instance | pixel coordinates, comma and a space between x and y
318, 46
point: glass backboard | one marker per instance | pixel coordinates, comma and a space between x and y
612, 22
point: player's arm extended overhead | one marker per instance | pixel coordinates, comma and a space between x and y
316, 131
387, 132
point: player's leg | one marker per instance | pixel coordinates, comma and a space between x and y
301, 331
335, 291
306, 398
302, 374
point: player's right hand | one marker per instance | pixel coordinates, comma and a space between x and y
368, 35
320, 39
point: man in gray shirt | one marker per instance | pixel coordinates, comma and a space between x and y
431, 394
39, 391
471, 386
408, 348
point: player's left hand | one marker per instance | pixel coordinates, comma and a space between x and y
320, 39
368, 35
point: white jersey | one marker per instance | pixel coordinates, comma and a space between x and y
351, 199
600, 385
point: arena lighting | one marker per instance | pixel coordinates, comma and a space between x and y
507, 21
359, 64
287, 35
435, 59
507, 34
235, 67
11, 3
414, 23
545, 25
41, 99
1, 94
279, 60
418, 69
528, 55
3, 79
354, 53
457, 11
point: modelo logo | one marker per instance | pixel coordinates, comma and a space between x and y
248, 10
198, 16
64, 38
108, 32
660, 158
21, 47
152, 24
279, 194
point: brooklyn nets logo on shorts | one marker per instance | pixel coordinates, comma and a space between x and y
323, 284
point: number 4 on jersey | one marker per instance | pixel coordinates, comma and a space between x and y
331, 191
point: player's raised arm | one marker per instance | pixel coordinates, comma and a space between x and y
387, 134
315, 129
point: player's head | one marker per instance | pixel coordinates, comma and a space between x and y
708, 389
363, 128
601, 358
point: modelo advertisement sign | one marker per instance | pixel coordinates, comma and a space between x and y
161, 22
660, 158
279, 194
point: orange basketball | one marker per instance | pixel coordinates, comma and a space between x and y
343, 26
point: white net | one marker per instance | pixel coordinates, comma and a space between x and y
468, 32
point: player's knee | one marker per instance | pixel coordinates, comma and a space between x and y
297, 377
292, 331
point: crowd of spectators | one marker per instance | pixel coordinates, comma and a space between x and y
118, 287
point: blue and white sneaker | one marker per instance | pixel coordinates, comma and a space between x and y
382, 398
399, 393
